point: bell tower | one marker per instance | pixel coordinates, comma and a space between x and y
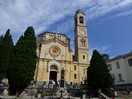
81, 38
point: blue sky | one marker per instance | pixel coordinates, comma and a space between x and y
109, 22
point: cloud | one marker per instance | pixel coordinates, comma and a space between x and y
41, 14
104, 7
103, 49
121, 14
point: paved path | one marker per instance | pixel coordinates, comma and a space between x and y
123, 95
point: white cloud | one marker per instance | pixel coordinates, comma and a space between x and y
121, 14
103, 7
19, 14
103, 49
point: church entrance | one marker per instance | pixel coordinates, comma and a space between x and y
53, 74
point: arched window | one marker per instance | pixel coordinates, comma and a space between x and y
81, 19
83, 56
75, 76
74, 67
83, 42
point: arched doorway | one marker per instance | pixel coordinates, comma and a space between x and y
53, 73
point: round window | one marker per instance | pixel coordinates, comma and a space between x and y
55, 50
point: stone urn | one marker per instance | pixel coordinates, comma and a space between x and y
6, 86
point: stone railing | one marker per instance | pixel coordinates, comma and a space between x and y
8, 97
23, 95
103, 96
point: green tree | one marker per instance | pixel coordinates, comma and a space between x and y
23, 62
98, 74
1, 38
6, 52
106, 57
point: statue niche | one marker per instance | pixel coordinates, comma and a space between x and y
62, 73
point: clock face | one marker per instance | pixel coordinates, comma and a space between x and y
82, 32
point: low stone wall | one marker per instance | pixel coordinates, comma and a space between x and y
7, 97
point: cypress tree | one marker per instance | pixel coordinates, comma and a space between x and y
98, 74
1, 38
24, 62
6, 52
1, 75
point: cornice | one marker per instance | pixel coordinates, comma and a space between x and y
65, 61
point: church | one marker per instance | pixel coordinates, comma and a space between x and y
54, 54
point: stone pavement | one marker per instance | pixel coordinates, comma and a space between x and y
120, 95
123, 95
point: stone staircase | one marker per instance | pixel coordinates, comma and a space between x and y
62, 94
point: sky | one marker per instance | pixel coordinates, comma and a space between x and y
109, 22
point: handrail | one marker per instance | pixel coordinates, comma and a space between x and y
103, 96
23, 95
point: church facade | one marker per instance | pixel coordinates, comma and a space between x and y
54, 54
